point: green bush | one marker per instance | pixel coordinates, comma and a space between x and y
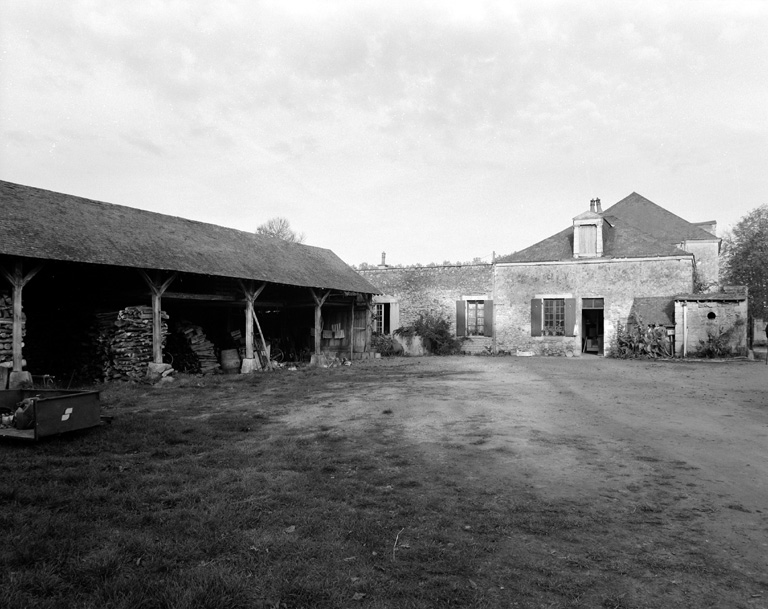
435, 331
385, 344
637, 340
718, 342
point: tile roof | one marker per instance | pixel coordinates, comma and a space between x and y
634, 228
658, 310
653, 219
712, 297
47, 225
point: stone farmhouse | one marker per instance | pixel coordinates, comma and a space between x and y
567, 294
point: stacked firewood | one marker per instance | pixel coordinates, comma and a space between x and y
125, 343
6, 327
101, 337
203, 348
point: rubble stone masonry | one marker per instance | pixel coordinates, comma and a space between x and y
431, 289
617, 281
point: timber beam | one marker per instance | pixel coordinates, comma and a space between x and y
18, 279
319, 301
251, 294
158, 286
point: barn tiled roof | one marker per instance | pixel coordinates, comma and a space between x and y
712, 297
634, 228
48, 225
658, 310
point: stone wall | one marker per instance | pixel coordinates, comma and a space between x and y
618, 282
477, 345
707, 255
705, 318
431, 289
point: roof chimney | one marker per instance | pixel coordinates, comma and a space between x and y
598, 209
383, 258
592, 205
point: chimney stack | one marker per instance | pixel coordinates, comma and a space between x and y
383, 258
598, 209
592, 205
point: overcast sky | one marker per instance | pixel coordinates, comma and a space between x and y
430, 130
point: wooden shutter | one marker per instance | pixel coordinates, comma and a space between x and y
461, 318
570, 316
588, 239
536, 317
394, 316
488, 318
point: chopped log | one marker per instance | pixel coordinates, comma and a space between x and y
125, 342
6, 327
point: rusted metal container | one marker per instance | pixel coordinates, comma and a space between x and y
55, 411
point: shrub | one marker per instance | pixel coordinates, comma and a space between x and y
435, 330
385, 344
637, 340
718, 342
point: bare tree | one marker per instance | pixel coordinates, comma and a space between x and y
280, 227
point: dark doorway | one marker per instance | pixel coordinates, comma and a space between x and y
592, 326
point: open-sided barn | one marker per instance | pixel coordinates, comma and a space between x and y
76, 264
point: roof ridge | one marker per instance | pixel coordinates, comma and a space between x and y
148, 212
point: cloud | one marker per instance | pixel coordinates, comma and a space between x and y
339, 102
143, 143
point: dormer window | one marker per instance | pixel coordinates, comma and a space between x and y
588, 232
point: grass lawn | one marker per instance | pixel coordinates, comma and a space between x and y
199, 495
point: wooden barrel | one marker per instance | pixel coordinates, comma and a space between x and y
230, 361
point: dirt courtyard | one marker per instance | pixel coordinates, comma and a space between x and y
675, 442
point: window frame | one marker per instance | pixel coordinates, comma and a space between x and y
553, 317
475, 317
381, 319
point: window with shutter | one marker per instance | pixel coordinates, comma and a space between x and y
553, 317
474, 317
461, 318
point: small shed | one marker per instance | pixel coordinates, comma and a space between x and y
80, 263
711, 324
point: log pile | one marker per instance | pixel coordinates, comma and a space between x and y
125, 342
101, 337
203, 348
6, 327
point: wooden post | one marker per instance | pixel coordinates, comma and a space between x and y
319, 300
18, 280
158, 289
249, 314
268, 365
251, 294
352, 330
368, 322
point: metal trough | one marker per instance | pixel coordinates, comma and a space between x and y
56, 411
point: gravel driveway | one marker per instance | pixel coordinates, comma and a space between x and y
661, 437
